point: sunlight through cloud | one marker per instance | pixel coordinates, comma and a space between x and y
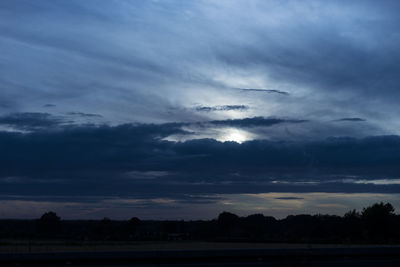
235, 135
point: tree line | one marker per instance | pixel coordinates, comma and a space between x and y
377, 223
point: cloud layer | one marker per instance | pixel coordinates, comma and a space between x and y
135, 159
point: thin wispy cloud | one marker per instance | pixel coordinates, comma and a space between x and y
351, 119
82, 114
263, 91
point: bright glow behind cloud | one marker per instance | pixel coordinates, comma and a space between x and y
235, 135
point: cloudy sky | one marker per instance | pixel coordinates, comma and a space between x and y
182, 109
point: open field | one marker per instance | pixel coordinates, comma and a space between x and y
26, 246
195, 254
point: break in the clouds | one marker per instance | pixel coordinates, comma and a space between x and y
222, 108
158, 100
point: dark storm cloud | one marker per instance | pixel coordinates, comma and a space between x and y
49, 106
31, 120
253, 122
141, 147
6, 103
222, 108
351, 119
115, 146
100, 161
263, 91
82, 114
289, 198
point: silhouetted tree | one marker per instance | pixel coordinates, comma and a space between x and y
378, 211
379, 221
49, 224
352, 214
352, 227
50, 217
226, 223
298, 228
227, 219
134, 221
255, 226
104, 229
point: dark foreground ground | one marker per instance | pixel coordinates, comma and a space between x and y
215, 255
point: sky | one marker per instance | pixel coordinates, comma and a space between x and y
180, 109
